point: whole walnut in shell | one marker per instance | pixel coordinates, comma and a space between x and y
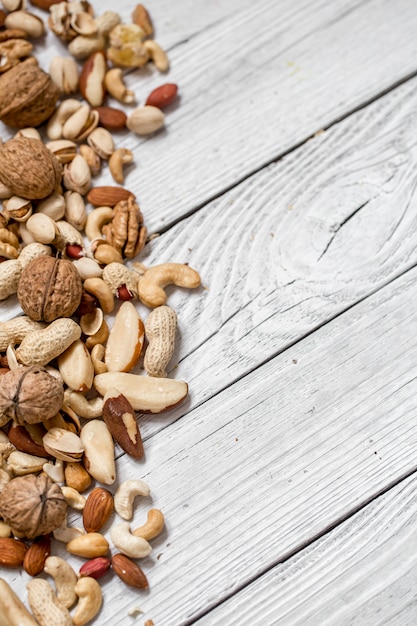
27, 95
33, 505
28, 168
49, 288
29, 395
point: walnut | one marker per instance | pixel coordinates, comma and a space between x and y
33, 505
27, 95
28, 168
49, 288
29, 395
126, 232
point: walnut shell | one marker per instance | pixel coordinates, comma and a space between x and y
29, 395
28, 168
27, 95
49, 288
33, 505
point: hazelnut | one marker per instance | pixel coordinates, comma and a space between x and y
49, 288
29, 395
28, 95
33, 505
28, 169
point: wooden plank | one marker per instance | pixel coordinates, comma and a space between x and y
290, 247
254, 85
362, 572
249, 477
259, 83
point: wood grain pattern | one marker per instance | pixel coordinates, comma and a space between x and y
262, 81
362, 572
255, 473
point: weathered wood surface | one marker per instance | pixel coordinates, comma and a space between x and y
362, 572
282, 253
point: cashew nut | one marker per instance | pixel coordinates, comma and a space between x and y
64, 577
125, 495
118, 159
55, 471
96, 220
5, 529
97, 356
73, 498
66, 533
45, 605
90, 599
113, 82
128, 544
12, 610
151, 284
153, 526
82, 406
102, 291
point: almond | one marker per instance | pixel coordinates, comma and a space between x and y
107, 195
95, 568
162, 96
36, 555
141, 17
121, 422
111, 118
128, 571
97, 510
12, 552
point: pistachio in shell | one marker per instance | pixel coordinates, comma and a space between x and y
33, 505
29, 395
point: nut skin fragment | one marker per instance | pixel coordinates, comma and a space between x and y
12, 609
151, 285
45, 606
121, 421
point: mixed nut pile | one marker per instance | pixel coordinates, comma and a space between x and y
68, 392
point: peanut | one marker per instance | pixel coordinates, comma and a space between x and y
39, 347
160, 329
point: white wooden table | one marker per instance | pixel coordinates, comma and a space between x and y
287, 176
